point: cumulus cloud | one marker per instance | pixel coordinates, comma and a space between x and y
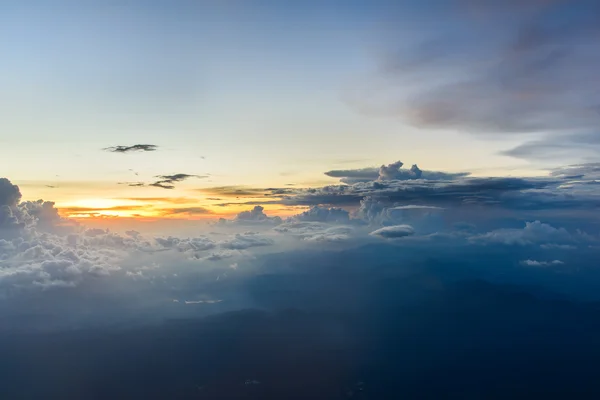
256, 216
393, 171
323, 214
394, 231
41, 249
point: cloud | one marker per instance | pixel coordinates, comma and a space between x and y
245, 241
167, 181
534, 263
234, 191
177, 177
256, 216
132, 184
10, 195
313, 231
393, 171
394, 231
534, 74
187, 210
195, 244
322, 214
533, 233
131, 149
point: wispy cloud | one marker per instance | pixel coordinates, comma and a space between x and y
186, 210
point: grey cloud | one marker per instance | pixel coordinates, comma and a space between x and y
251, 217
10, 195
132, 184
322, 214
522, 71
393, 171
201, 243
490, 191
131, 149
245, 241
566, 147
313, 231
534, 232
168, 181
162, 185
589, 171
234, 191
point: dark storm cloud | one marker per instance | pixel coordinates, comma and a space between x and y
491, 191
131, 149
495, 68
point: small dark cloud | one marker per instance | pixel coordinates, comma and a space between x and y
162, 185
168, 181
178, 177
131, 149
132, 184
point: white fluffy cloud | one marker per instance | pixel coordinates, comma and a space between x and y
535, 263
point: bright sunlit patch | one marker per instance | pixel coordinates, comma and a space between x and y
99, 203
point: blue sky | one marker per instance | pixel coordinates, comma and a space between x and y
257, 88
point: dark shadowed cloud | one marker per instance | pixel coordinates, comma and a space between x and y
132, 149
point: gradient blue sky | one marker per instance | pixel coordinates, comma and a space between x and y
265, 91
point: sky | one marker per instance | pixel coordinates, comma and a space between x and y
263, 94
321, 199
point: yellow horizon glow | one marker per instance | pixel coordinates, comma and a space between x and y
110, 208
